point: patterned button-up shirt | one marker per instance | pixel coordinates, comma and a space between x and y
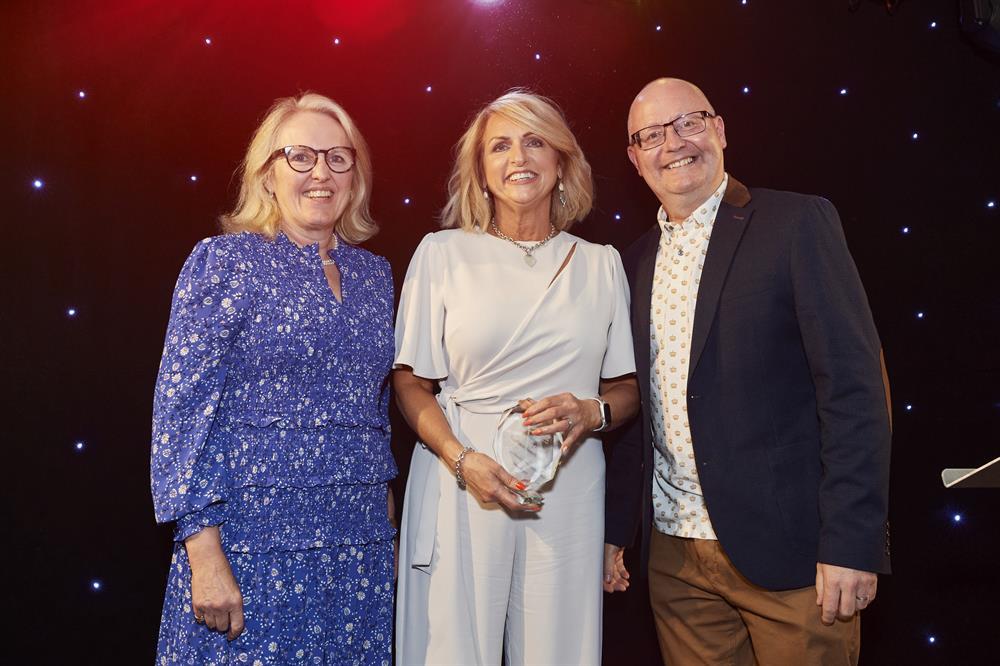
678, 505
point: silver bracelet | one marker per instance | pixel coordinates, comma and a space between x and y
458, 466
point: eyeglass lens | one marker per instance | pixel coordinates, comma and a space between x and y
303, 158
687, 125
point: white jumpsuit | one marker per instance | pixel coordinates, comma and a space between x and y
474, 580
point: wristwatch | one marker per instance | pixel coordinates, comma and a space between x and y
605, 414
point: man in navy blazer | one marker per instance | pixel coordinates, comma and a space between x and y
756, 477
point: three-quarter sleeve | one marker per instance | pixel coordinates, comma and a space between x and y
210, 303
619, 358
421, 316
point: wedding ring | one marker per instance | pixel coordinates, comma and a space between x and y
570, 422
199, 620
862, 599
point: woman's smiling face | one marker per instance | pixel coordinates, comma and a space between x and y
314, 200
520, 167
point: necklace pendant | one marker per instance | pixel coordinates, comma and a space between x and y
530, 260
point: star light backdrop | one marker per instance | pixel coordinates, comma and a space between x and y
126, 119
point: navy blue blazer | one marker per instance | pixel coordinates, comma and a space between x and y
787, 401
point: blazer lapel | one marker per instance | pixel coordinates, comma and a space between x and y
642, 297
730, 223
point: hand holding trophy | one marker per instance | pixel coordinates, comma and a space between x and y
532, 458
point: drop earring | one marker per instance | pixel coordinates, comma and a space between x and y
486, 194
562, 193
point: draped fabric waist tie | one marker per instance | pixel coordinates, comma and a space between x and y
452, 402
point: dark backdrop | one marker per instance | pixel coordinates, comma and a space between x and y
116, 211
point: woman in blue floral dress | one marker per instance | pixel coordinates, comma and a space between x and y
270, 426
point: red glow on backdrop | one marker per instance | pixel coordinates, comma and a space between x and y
364, 21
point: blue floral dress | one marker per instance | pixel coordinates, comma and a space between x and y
270, 419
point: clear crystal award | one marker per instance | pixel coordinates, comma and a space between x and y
532, 458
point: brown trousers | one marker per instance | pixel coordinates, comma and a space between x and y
707, 613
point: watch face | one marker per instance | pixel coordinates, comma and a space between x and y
605, 415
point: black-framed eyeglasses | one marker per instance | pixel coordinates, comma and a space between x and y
687, 125
303, 159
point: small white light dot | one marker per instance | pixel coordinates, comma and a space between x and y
957, 518
81, 94
37, 184
906, 230
406, 201
746, 90
95, 584
78, 446
336, 41
843, 91
659, 28
909, 408
933, 24
71, 312
931, 639
208, 41
193, 178
920, 315
743, 2
618, 216
428, 89
989, 204
538, 56
915, 136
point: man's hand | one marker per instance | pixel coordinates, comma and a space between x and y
841, 592
615, 573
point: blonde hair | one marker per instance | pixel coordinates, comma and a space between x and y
257, 211
468, 209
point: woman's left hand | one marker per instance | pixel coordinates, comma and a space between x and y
565, 413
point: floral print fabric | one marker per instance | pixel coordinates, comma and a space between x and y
270, 419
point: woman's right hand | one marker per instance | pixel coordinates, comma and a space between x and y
489, 482
215, 595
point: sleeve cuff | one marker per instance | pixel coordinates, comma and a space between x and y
192, 523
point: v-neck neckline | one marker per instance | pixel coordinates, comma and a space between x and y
313, 253
337, 256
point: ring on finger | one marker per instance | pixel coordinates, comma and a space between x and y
570, 422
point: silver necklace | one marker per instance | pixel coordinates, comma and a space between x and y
528, 250
331, 262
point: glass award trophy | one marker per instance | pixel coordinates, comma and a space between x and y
533, 459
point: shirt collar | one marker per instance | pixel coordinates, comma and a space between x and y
703, 215
311, 250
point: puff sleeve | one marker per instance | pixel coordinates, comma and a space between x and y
619, 358
210, 304
421, 317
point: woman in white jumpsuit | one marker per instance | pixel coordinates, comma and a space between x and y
505, 306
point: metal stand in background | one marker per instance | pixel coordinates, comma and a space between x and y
987, 476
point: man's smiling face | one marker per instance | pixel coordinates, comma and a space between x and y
682, 171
